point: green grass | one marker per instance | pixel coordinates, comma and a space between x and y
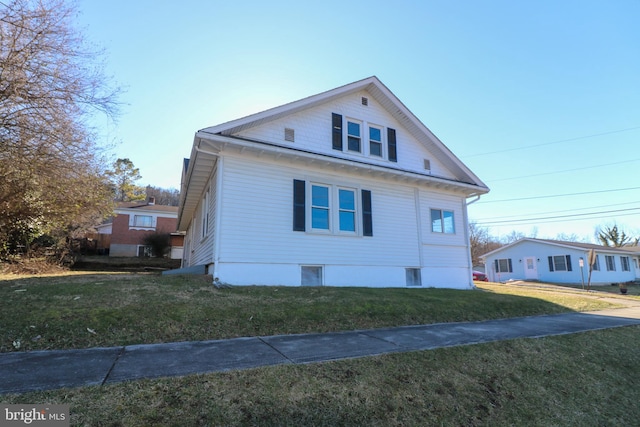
588, 379
80, 311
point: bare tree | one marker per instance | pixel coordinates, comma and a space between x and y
481, 242
51, 173
164, 196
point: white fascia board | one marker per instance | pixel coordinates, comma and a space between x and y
219, 142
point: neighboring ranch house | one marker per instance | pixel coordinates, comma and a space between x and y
135, 220
344, 188
555, 261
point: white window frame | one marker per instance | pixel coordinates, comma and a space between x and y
556, 260
359, 137
335, 209
596, 265
381, 141
413, 277
504, 268
442, 229
135, 221
328, 208
204, 232
307, 268
610, 266
626, 265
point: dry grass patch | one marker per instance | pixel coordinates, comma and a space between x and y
587, 379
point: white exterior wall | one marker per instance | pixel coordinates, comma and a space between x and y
313, 132
541, 251
257, 244
199, 250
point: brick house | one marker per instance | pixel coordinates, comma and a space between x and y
134, 220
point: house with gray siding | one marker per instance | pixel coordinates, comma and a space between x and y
343, 188
555, 261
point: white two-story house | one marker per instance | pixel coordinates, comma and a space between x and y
343, 188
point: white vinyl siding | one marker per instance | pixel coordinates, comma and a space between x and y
313, 133
265, 234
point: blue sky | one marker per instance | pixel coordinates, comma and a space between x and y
538, 98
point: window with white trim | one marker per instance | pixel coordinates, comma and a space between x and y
596, 264
504, 265
143, 221
375, 141
347, 209
626, 266
354, 136
442, 221
205, 214
311, 275
320, 207
611, 262
560, 263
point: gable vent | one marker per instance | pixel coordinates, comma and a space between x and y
289, 135
427, 165
365, 101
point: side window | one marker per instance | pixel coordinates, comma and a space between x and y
442, 221
375, 141
320, 214
354, 136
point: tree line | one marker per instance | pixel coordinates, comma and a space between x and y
55, 178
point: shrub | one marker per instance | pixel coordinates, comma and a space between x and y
159, 242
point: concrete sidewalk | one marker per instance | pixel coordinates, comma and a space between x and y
43, 370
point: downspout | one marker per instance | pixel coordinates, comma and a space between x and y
466, 236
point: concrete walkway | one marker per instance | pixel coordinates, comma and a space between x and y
44, 370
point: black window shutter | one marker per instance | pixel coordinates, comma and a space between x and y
336, 126
497, 266
510, 266
298, 205
367, 214
569, 263
550, 263
391, 143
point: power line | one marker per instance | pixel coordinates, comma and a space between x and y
558, 195
506, 150
557, 220
557, 217
552, 212
563, 171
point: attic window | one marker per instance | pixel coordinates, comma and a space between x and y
427, 165
289, 135
365, 101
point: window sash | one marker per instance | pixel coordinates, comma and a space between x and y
354, 137
142, 221
347, 209
375, 141
611, 262
504, 265
442, 221
625, 263
320, 207
559, 263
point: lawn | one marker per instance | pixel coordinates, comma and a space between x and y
89, 310
582, 379
587, 379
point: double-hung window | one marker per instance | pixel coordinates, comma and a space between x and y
560, 263
143, 221
354, 136
332, 208
347, 209
504, 265
375, 141
442, 221
624, 260
320, 207
611, 262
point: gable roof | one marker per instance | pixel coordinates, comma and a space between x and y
563, 244
203, 152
